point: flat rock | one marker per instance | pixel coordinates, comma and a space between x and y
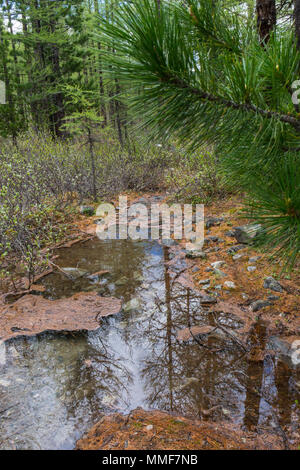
246, 233
192, 254
208, 299
230, 285
259, 304
272, 284
235, 249
287, 347
217, 264
74, 273
188, 333
251, 269
133, 304
213, 221
32, 314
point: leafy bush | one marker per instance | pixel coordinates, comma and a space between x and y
197, 178
41, 179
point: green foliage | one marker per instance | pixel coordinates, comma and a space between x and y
277, 206
42, 178
200, 73
196, 177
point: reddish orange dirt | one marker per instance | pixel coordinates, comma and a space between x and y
283, 316
32, 314
158, 430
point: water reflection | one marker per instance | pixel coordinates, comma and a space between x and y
54, 387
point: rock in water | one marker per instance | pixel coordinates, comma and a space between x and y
2, 354
133, 304
74, 273
32, 314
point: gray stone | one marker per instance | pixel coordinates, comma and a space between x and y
208, 299
212, 221
236, 257
122, 281
230, 233
168, 242
254, 259
246, 233
230, 285
204, 281
214, 239
192, 254
288, 348
259, 304
272, 284
4, 383
74, 273
133, 304
235, 249
195, 269
251, 269
219, 273
273, 297
217, 264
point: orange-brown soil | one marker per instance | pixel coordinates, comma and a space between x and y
283, 316
157, 430
32, 314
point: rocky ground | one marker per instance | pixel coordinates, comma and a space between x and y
232, 277
156, 430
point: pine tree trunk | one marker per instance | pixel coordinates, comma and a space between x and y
11, 105
266, 18
297, 20
101, 84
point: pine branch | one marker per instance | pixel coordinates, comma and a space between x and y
231, 104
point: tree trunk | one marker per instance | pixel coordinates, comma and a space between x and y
92, 155
297, 21
266, 18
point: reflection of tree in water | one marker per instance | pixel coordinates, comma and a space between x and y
100, 382
183, 377
73, 375
79, 371
188, 379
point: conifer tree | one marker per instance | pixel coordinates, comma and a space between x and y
198, 71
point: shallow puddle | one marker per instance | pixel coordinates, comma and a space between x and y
55, 386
